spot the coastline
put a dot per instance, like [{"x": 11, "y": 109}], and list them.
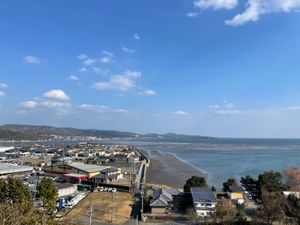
[{"x": 167, "y": 169}]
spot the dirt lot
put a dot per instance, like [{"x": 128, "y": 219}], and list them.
[{"x": 102, "y": 202}]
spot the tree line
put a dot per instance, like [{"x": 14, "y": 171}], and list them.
[
  {"x": 17, "y": 206},
  {"x": 266, "y": 192}
]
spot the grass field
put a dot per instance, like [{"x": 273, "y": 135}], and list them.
[{"x": 103, "y": 208}]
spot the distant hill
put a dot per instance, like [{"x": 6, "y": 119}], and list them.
[
  {"x": 7, "y": 135},
  {"x": 65, "y": 131},
  {"x": 20, "y": 132}
]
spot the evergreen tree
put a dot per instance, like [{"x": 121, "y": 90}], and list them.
[
  {"x": 48, "y": 194},
  {"x": 194, "y": 181}
]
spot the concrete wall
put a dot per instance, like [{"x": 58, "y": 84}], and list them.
[
  {"x": 158, "y": 210},
  {"x": 67, "y": 191}
]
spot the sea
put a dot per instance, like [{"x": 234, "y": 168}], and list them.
[{"x": 221, "y": 158}]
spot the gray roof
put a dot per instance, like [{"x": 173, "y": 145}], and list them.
[
  {"x": 236, "y": 188},
  {"x": 162, "y": 197},
  {"x": 88, "y": 168},
  {"x": 110, "y": 170},
  {"x": 6, "y": 168},
  {"x": 105, "y": 176},
  {"x": 202, "y": 195},
  {"x": 63, "y": 185}
]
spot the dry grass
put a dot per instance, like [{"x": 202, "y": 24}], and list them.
[
  {"x": 124, "y": 181},
  {"x": 157, "y": 186},
  {"x": 103, "y": 208}
]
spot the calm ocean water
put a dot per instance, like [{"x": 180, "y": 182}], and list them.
[{"x": 220, "y": 159}]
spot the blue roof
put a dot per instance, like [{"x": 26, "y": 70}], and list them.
[{"x": 201, "y": 194}]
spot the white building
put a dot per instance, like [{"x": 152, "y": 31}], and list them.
[
  {"x": 65, "y": 189},
  {"x": 4, "y": 149},
  {"x": 204, "y": 201},
  {"x": 13, "y": 170}
]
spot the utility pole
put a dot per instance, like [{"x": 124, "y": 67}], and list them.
[
  {"x": 137, "y": 220},
  {"x": 113, "y": 202},
  {"x": 91, "y": 213},
  {"x": 133, "y": 166},
  {"x": 142, "y": 200}
]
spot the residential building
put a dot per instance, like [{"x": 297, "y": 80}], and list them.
[
  {"x": 237, "y": 194},
  {"x": 162, "y": 201},
  {"x": 204, "y": 201}
]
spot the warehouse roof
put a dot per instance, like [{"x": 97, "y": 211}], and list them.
[
  {"x": 6, "y": 168},
  {"x": 86, "y": 167}
]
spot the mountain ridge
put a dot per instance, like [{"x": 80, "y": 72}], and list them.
[{"x": 44, "y": 131}]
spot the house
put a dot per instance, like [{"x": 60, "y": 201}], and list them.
[
  {"x": 236, "y": 193},
  {"x": 108, "y": 175},
  {"x": 149, "y": 192},
  {"x": 121, "y": 158},
  {"x": 162, "y": 201},
  {"x": 133, "y": 159},
  {"x": 204, "y": 201},
  {"x": 102, "y": 160}
]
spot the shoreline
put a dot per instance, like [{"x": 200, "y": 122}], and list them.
[
  {"x": 205, "y": 173},
  {"x": 168, "y": 169}
]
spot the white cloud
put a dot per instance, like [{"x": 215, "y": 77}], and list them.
[
  {"x": 224, "y": 105},
  {"x": 127, "y": 50},
  {"x": 148, "y": 92},
  {"x": 181, "y": 113},
  {"x": 73, "y": 77},
  {"x": 191, "y": 14},
  {"x": 289, "y": 109},
  {"x": 101, "y": 109},
  {"x": 136, "y": 36},
  {"x": 121, "y": 111},
  {"x": 82, "y": 56},
  {"x": 83, "y": 70},
  {"x": 256, "y": 8},
  {"x": 3, "y": 85},
  {"x": 215, "y": 4},
  {"x": 228, "y": 108},
  {"x": 107, "y": 57},
  {"x": 2, "y": 93},
  {"x": 122, "y": 82},
  {"x": 253, "y": 11},
  {"x": 56, "y": 94},
  {"x": 54, "y": 104},
  {"x": 101, "y": 71},
  {"x": 89, "y": 61},
  {"x": 96, "y": 108},
  {"x": 28, "y": 104},
  {"x": 31, "y": 59},
  {"x": 230, "y": 112}
]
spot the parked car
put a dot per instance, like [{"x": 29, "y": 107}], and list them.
[
  {"x": 110, "y": 189},
  {"x": 58, "y": 217},
  {"x": 114, "y": 190}
]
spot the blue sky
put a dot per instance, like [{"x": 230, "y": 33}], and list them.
[{"x": 227, "y": 68}]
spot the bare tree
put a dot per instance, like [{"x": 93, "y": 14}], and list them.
[
  {"x": 191, "y": 214},
  {"x": 225, "y": 211},
  {"x": 270, "y": 208}
]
